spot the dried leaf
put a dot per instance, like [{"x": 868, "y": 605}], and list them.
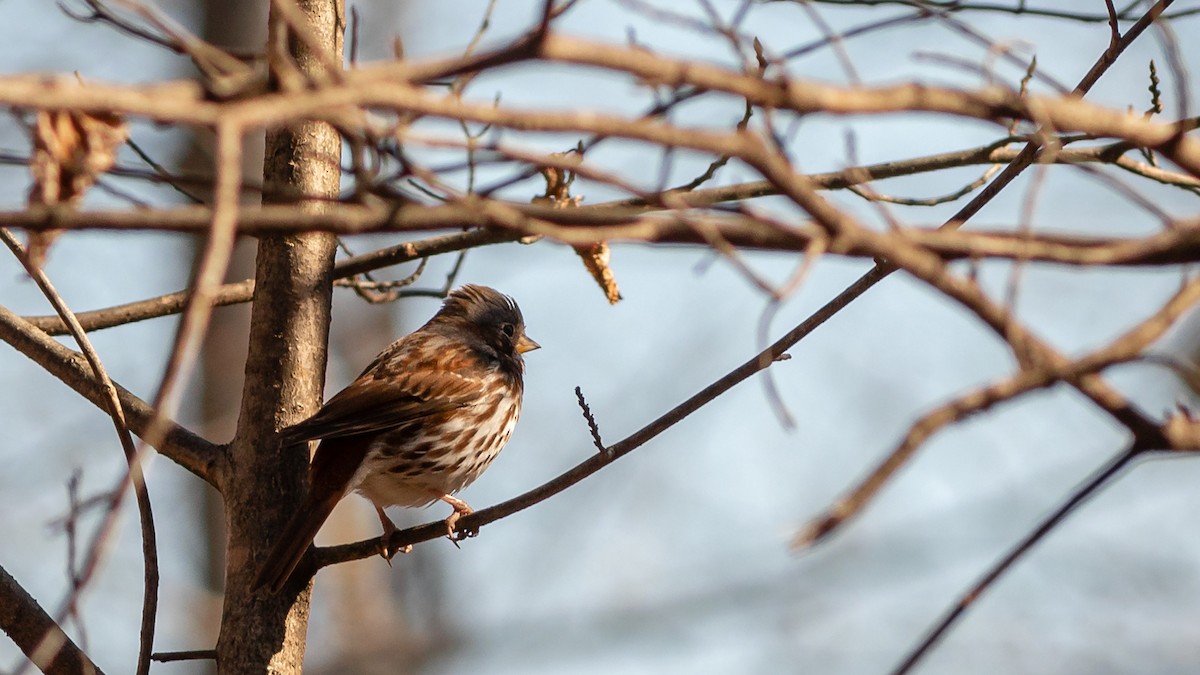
[
  {"x": 595, "y": 259},
  {"x": 70, "y": 151},
  {"x": 595, "y": 256}
]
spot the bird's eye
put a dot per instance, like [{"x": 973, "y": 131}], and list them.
[{"x": 508, "y": 329}]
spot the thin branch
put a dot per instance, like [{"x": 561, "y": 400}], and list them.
[
  {"x": 197, "y": 455},
  {"x": 1017, "y": 8},
  {"x": 134, "y": 477},
  {"x": 1102, "y": 477},
  {"x": 1125, "y": 348},
  {"x": 210, "y": 272},
  {"x": 243, "y": 291},
  {"x": 162, "y": 174},
  {"x": 190, "y": 655},
  {"x": 163, "y": 305}
]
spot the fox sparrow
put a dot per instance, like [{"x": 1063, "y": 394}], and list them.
[{"x": 422, "y": 422}]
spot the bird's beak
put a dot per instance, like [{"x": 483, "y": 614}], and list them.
[{"x": 526, "y": 345}]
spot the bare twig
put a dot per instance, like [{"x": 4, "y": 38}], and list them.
[
  {"x": 190, "y": 655},
  {"x": 591, "y": 421},
  {"x": 210, "y": 272},
  {"x": 1102, "y": 477},
  {"x": 243, "y": 291},
  {"x": 1127, "y": 347},
  {"x": 1017, "y": 8}
]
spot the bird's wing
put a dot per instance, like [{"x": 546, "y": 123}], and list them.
[{"x": 374, "y": 404}]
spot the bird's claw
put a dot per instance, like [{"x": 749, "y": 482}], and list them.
[
  {"x": 454, "y": 534},
  {"x": 387, "y": 552}
]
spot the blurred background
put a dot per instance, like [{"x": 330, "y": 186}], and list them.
[{"x": 674, "y": 559}]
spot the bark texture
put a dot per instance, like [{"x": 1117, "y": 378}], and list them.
[{"x": 261, "y": 631}]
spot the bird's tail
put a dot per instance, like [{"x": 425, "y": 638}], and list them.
[{"x": 294, "y": 541}]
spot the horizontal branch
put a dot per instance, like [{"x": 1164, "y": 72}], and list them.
[
  {"x": 1017, "y": 8},
  {"x": 1169, "y": 247},
  {"x": 163, "y": 305},
  {"x": 243, "y": 291},
  {"x": 1180, "y": 244},
  {"x": 354, "y": 219},
  {"x": 180, "y": 445},
  {"x": 1167, "y": 250},
  {"x": 388, "y": 86},
  {"x": 283, "y": 219}
]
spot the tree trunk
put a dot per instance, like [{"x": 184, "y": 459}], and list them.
[
  {"x": 238, "y": 24},
  {"x": 289, "y": 328}
]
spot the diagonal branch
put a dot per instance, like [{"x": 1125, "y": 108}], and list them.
[
  {"x": 185, "y": 448},
  {"x": 1125, "y": 348},
  {"x": 594, "y": 463},
  {"x": 210, "y": 271},
  {"x": 37, "y": 635},
  {"x": 1102, "y": 477}
]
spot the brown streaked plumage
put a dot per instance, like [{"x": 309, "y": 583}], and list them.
[{"x": 422, "y": 422}]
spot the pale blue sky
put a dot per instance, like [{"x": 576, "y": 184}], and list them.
[{"x": 675, "y": 559}]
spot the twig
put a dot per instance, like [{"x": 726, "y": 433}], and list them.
[
  {"x": 243, "y": 291},
  {"x": 190, "y": 655},
  {"x": 1102, "y": 477},
  {"x": 210, "y": 272},
  {"x": 162, "y": 173},
  {"x": 74, "y": 511},
  {"x": 381, "y": 292},
  {"x": 591, "y": 421},
  {"x": 871, "y": 195},
  {"x": 1127, "y": 347},
  {"x": 1018, "y": 8}
]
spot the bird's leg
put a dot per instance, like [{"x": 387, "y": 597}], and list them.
[
  {"x": 460, "y": 509},
  {"x": 389, "y": 528}
]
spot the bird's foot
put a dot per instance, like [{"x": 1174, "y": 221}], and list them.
[
  {"x": 388, "y": 552},
  {"x": 389, "y": 528},
  {"x": 460, "y": 509}
]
